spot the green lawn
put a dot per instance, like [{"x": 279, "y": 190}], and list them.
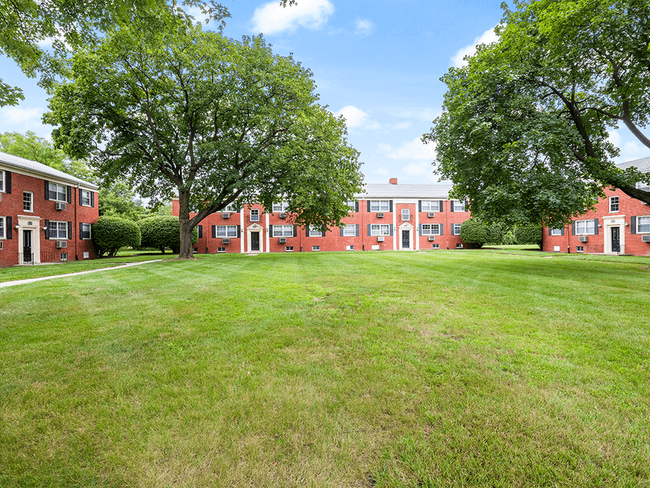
[{"x": 429, "y": 369}]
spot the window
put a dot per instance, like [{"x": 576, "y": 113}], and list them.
[
  {"x": 315, "y": 248},
  {"x": 379, "y": 205},
  {"x": 458, "y": 206},
  {"x": 288, "y": 249},
  {"x": 455, "y": 229},
  {"x": 2, "y": 181},
  {"x": 379, "y": 229},
  {"x": 314, "y": 232},
  {"x": 85, "y": 231},
  {"x": 3, "y": 234},
  {"x": 430, "y": 205},
  {"x": 226, "y": 231},
  {"x": 85, "y": 198},
  {"x": 28, "y": 201},
  {"x": 430, "y": 229},
  {"x": 406, "y": 214},
  {"x": 64, "y": 256},
  {"x": 642, "y": 225},
  {"x": 585, "y": 227},
  {"x": 280, "y": 207},
  {"x": 613, "y": 204},
  {"x": 353, "y": 205},
  {"x": 57, "y": 230},
  {"x": 221, "y": 249},
  {"x": 58, "y": 193},
  {"x": 436, "y": 246},
  {"x": 459, "y": 246},
  {"x": 230, "y": 208},
  {"x": 349, "y": 248},
  {"x": 580, "y": 248},
  {"x": 350, "y": 230},
  {"x": 556, "y": 232},
  {"x": 255, "y": 215},
  {"x": 283, "y": 231}
]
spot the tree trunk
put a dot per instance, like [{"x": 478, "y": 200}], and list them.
[{"x": 185, "y": 228}]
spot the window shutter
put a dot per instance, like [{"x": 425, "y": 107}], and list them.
[
  {"x": 47, "y": 190},
  {"x": 357, "y": 230},
  {"x": 390, "y": 206},
  {"x": 295, "y": 231},
  {"x": 368, "y": 207},
  {"x": 562, "y": 230},
  {"x": 633, "y": 224},
  {"x": 69, "y": 188},
  {"x": 271, "y": 230},
  {"x": 307, "y": 231},
  {"x": 442, "y": 207},
  {"x": 391, "y": 229},
  {"x": 214, "y": 231},
  {"x": 92, "y": 199},
  {"x": 9, "y": 227},
  {"x": 451, "y": 209},
  {"x": 199, "y": 230},
  {"x": 356, "y": 206},
  {"x": 341, "y": 229},
  {"x": 368, "y": 229},
  {"x": 238, "y": 231},
  {"x": 596, "y": 226},
  {"x": 441, "y": 231},
  {"x": 324, "y": 233},
  {"x": 7, "y": 181},
  {"x": 549, "y": 232},
  {"x": 80, "y": 190},
  {"x": 466, "y": 205},
  {"x": 81, "y": 230},
  {"x": 573, "y": 228},
  {"x": 47, "y": 232},
  {"x": 420, "y": 229},
  {"x": 69, "y": 229},
  {"x": 419, "y": 205}
]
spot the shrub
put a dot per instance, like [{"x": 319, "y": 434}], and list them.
[
  {"x": 112, "y": 233},
  {"x": 163, "y": 232},
  {"x": 475, "y": 234},
  {"x": 509, "y": 238},
  {"x": 529, "y": 234}
]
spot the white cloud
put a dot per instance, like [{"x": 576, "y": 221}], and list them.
[
  {"x": 271, "y": 18},
  {"x": 486, "y": 38},
  {"x": 402, "y": 126},
  {"x": 414, "y": 149},
  {"x": 425, "y": 115},
  {"x": 21, "y": 116},
  {"x": 355, "y": 117},
  {"x": 421, "y": 168},
  {"x": 364, "y": 27},
  {"x": 382, "y": 171}
]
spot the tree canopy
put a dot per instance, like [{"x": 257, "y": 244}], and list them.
[
  {"x": 525, "y": 124},
  {"x": 212, "y": 120}
]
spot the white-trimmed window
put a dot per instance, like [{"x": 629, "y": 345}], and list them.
[
  {"x": 430, "y": 205},
  {"x": 455, "y": 229},
  {"x": 349, "y": 248},
  {"x": 85, "y": 198},
  {"x": 379, "y": 205},
  {"x": 57, "y": 230},
  {"x": 315, "y": 248},
  {"x": 288, "y": 249},
  {"x": 230, "y": 208},
  {"x": 255, "y": 215},
  {"x": 585, "y": 227},
  {"x": 283, "y": 231},
  {"x": 28, "y": 201},
  {"x": 85, "y": 231},
  {"x": 580, "y": 248},
  {"x": 458, "y": 206},
  {"x": 556, "y": 232},
  {"x": 613, "y": 204},
  {"x": 459, "y": 246},
  {"x": 226, "y": 231},
  {"x": 379, "y": 229},
  {"x": 56, "y": 192},
  {"x": 314, "y": 232},
  {"x": 353, "y": 205},
  {"x": 430, "y": 229},
  {"x": 406, "y": 214},
  {"x": 221, "y": 249},
  {"x": 280, "y": 207},
  {"x": 3, "y": 226},
  {"x": 350, "y": 230},
  {"x": 436, "y": 246},
  {"x": 2, "y": 181},
  {"x": 643, "y": 225}
]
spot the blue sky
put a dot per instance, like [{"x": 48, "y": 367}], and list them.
[{"x": 377, "y": 63}]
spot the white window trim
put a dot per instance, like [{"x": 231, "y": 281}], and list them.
[
  {"x": 380, "y": 230},
  {"x": 638, "y": 224},
  {"x": 57, "y": 185},
  {"x": 430, "y": 230},
  {"x": 378, "y": 204},
  {"x": 226, "y": 231},
  {"x": 435, "y": 203},
  {"x": 31, "y": 209},
  {"x": 350, "y": 228},
  {"x": 618, "y": 204},
  {"x": 580, "y": 248},
  {"x": 90, "y": 230},
  {"x": 288, "y": 249},
  {"x": 586, "y": 232},
  {"x": 408, "y": 214},
  {"x": 315, "y": 232},
  {"x": 280, "y": 207},
  {"x": 353, "y": 205},
  {"x": 230, "y": 208},
  {"x": 81, "y": 200},
  {"x": 315, "y": 248},
  {"x": 556, "y": 232},
  {"x": 453, "y": 227},
  {"x": 285, "y": 231},
  {"x": 458, "y": 205},
  {"x": 255, "y": 212},
  {"x": 4, "y": 228},
  {"x": 2, "y": 181},
  {"x": 57, "y": 222}
]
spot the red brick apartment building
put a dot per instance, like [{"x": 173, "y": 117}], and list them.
[
  {"x": 45, "y": 214},
  {"x": 618, "y": 225},
  {"x": 384, "y": 217}
]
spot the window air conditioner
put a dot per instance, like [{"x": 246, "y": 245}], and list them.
[
  {"x": 431, "y": 215},
  {"x": 645, "y": 238},
  {"x": 225, "y": 240},
  {"x": 60, "y": 206},
  {"x": 432, "y": 238},
  {"x": 583, "y": 239},
  {"x": 283, "y": 215},
  {"x": 225, "y": 215},
  {"x": 380, "y": 239},
  {"x": 380, "y": 215},
  {"x": 283, "y": 240},
  {"x": 61, "y": 244}
]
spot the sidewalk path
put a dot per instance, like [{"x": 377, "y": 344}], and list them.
[{"x": 31, "y": 280}]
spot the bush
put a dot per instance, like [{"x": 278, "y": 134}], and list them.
[
  {"x": 476, "y": 234},
  {"x": 529, "y": 234},
  {"x": 509, "y": 238},
  {"x": 163, "y": 232},
  {"x": 112, "y": 233}
]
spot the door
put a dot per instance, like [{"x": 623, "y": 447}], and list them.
[
  {"x": 27, "y": 246},
  {"x": 255, "y": 241},
  {"x": 616, "y": 239},
  {"x": 405, "y": 239}
]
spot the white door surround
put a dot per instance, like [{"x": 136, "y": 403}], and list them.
[
  {"x": 30, "y": 222},
  {"x": 608, "y": 223},
  {"x": 405, "y": 227},
  {"x": 254, "y": 228}
]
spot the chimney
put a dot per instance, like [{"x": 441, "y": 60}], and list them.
[{"x": 393, "y": 181}]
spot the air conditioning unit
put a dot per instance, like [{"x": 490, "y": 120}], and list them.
[
  {"x": 225, "y": 215},
  {"x": 225, "y": 240},
  {"x": 380, "y": 239},
  {"x": 60, "y": 206},
  {"x": 432, "y": 238},
  {"x": 283, "y": 215},
  {"x": 61, "y": 244},
  {"x": 583, "y": 239},
  {"x": 645, "y": 238},
  {"x": 431, "y": 215},
  {"x": 380, "y": 215},
  {"x": 283, "y": 240}
]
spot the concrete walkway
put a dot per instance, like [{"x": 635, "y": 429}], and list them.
[{"x": 32, "y": 280}]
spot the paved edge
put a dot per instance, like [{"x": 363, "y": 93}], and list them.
[{"x": 32, "y": 280}]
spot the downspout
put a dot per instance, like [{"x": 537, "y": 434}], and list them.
[{"x": 76, "y": 223}]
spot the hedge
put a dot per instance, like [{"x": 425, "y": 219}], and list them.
[
  {"x": 529, "y": 234},
  {"x": 109, "y": 234},
  {"x": 476, "y": 234}
]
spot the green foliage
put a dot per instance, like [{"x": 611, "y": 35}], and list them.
[
  {"x": 111, "y": 233},
  {"x": 117, "y": 200},
  {"x": 163, "y": 232},
  {"x": 214, "y": 121},
  {"x": 476, "y": 233},
  {"x": 509, "y": 238},
  {"x": 524, "y": 130},
  {"x": 529, "y": 234}
]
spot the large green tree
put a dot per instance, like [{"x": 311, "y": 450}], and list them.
[
  {"x": 212, "y": 120},
  {"x": 524, "y": 130}
]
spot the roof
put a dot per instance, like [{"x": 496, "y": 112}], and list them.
[
  {"x": 41, "y": 170},
  {"x": 439, "y": 190},
  {"x": 642, "y": 164}
]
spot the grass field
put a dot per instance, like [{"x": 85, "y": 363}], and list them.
[{"x": 429, "y": 369}]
